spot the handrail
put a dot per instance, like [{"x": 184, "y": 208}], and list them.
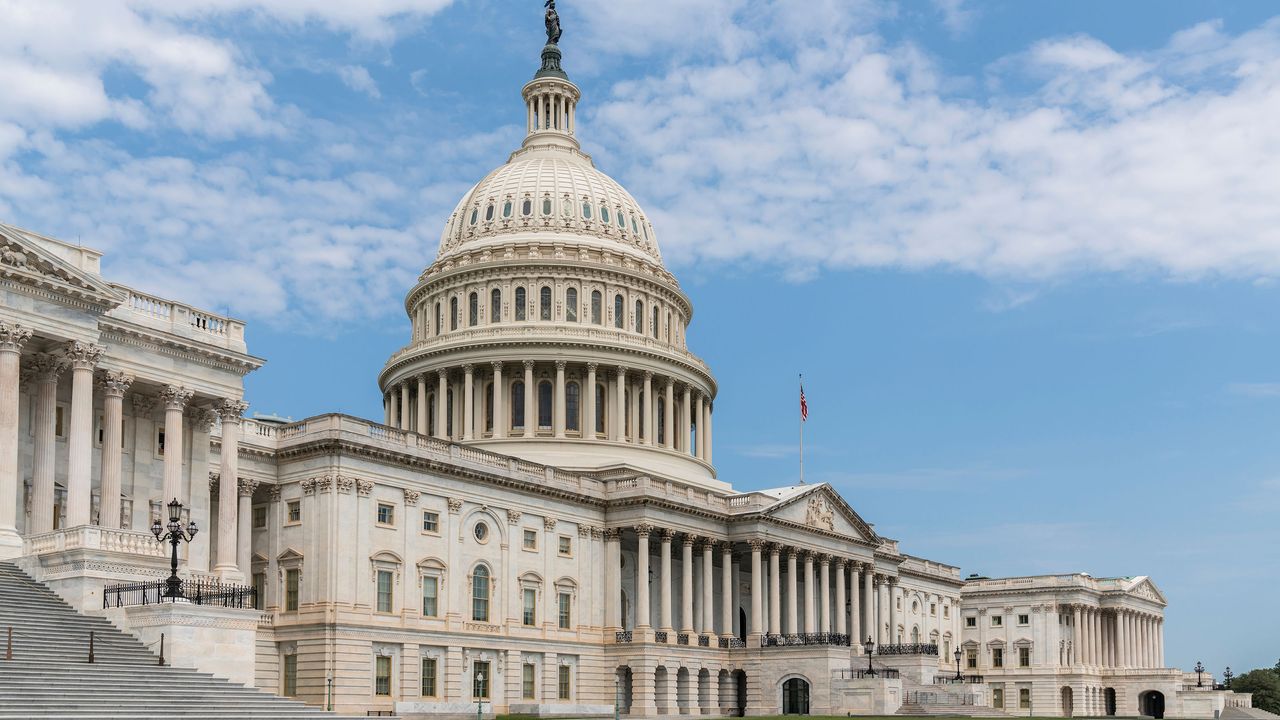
[{"x": 198, "y": 592}]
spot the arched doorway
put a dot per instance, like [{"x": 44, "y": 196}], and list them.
[
  {"x": 1151, "y": 704},
  {"x": 661, "y": 678},
  {"x": 1067, "y": 701},
  {"x": 1109, "y": 697},
  {"x": 624, "y": 690},
  {"x": 740, "y": 684},
  {"x": 742, "y": 625},
  {"x": 795, "y": 697}
]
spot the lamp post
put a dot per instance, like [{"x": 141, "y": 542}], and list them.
[
  {"x": 957, "y": 655},
  {"x": 175, "y": 535},
  {"x": 1199, "y": 670},
  {"x": 329, "y": 696},
  {"x": 479, "y": 696},
  {"x": 869, "y": 645},
  {"x": 1226, "y": 678}
]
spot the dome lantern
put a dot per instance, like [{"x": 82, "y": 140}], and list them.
[{"x": 551, "y": 98}]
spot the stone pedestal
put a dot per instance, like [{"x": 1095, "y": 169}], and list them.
[
  {"x": 78, "y": 562},
  {"x": 216, "y": 640}
]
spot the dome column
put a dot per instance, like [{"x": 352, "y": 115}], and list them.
[
  {"x": 442, "y": 404},
  {"x": 529, "y": 398},
  {"x": 468, "y": 402},
  {"x": 558, "y": 411},
  {"x": 700, "y": 441},
  {"x": 404, "y": 406},
  {"x": 686, "y": 416},
  {"x": 647, "y": 419},
  {"x": 499, "y": 418},
  {"x": 589, "y": 404},
  {"x": 619, "y": 406},
  {"x": 668, "y": 415},
  {"x": 706, "y": 436},
  {"x": 423, "y": 425}
]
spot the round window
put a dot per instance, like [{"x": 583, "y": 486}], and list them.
[{"x": 481, "y": 531}]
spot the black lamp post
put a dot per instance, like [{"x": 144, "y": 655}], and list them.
[
  {"x": 1226, "y": 678},
  {"x": 957, "y": 655},
  {"x": 869, "y": 646},
  {"x": 175, "y": 535},
  {"x": 1199, "y": 670}
]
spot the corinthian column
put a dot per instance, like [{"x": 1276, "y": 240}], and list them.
[
  {"x": 646, "y": 419},
  {"x": 686, "y": 419},
  {"x": 757, "y": 587},
  {"x": 824, "y": 594},
  {"x": 793, "y": 595},
  {"x": 775, "y": 589},
  {"x": 82, "y": 358},
  {"x": 588, "y": 422},
  {"x": 700, "y": 446},
  {"x": 726, "y": 589},
  {"x": 468, "y": 402},
  {"x": 558, "y": 405},
  {"x": 869, "y": 602},
  {"x": 642, "y": 577},
  {"x": 810, "y": 613},
  {"x": 686, "y": 583},
  {"x": 422, "y": 406},
  {"x": 617, "y": 429},
  {"x": 230, "y": 411},
  {"x": 668, "y": 415},
  {"x": 244, "y": 533},
  {"x": 708, "y": 589},
  {"x": 841, "y": 613},
  {"x": 12, "y": 338},
  {"x": 114, "y": 385},
  {"x": 47, "y": 368},
  {"x": 664, "y": 594},
  {"x": 499, "y": 418},
  {"x": 1076, "y": 637},
  {"x": 175, "y": 398}
]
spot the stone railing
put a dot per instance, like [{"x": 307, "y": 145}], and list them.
[
  {"x": 92, "y": 537},
  {"x": 181, "y": 319}
]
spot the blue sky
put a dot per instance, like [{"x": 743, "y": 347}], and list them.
[{"x": 1024, "y": 253}]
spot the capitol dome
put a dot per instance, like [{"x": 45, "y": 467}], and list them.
[{"x": 547, "y": 327}]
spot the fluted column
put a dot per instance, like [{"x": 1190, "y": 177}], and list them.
[
  {"x": 842, "y": 616},
  {"x": 499, "y": 418},
  {"x": 406, "y": 393},
  {"x": 1122, "y": 638},
  {"x": 423, "y": 424},
  {"x": 708, "y": 589},
  {"x": 1160, "y": 642},
  {"x": 893, "y": 610},
  {"x": 642, "y": 577},
  {"x": 855, "y": 605},
  {"x": 175, "y": 400},
  {"x": 613, "y": 579},
  {"x": 882, "y": 610},
  {"x": 558, "y": 413},
  {"x": 706, "y": 435},
  {"x": 617, "y": 429},
  {"x": 775, "y": 589},
  {"x": 810, "y": 614},
  {"x": 757, "y": 587},
  {"x": 230, "y": 410},
  {"x": 468, "y": 402},
  {"x": 530, "y": 400},
  {"x": 442, "y": 404},
  {"x": 869, "y": 610},
  {"x": 114, "y": 385},
  {"x": 824, "y": 594},
  {"x": 793, "y": 595},
  {"x": 244, "y": 530},
  {"x": 647, "y": 421},
  {"x": 686, "y": 419},
  {"x": 699, "y": 442},
  {"x": 1076, "y": 637},
  {"x": 727, "y": 580},
  {"x": 12, "y": 338},
  {"x": 46, "y": 368},
  {"x": 686, "y": 583},
  {"x": 633, "y": 415},
  {"x": 82, "y": 358},
  {"x": 664, "y": 593},
  {"x": 588, "y": 423},
  {"x": 668, "y": 416}
]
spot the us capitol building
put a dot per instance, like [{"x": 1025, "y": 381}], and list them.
[{"x": 535, "y": 522}]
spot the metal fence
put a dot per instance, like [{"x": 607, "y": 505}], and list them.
[
  {"x": 848, "y": 674},
  {"x": 795, "y": 639},
  {"x": 909, "y": 649},
  {"x": 198, "y": 592}
]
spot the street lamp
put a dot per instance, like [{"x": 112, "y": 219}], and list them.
[
  {"x": 1226, "y": 678},
  {"x": 957, "y": 656},
  {"x": 869, "y": 645},
  {"x": 480, "y": 695},
  {"x": 175, "y": 535},
  {"x": 1199, "y": 670}
]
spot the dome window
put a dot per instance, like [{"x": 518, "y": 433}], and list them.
[
  {"x": 654, "y": 330},
  {"x": 572, "y": 398},
  {"x": 544, "y": 405},
  {"x": 506, "y": 209},
  {"x": 586, "y": 210},
  {"x": 621, "y": 225},
  {"x": 488, "y": 213},
  {"x": 604, "y": 214},
  {"x": 640, "y": 317},
  {"x": 634, "y": 229},
  {"x": 544, "y": 302},
  {"x": 546, "y": 205},
  {"x": 473, "y": 309},
  {"x": 527, "y": 208},
  {"x": 571, "y": 305},
  {"x": 517, "y": 405},
  {"x": 618, "y": 312},
  {"x": 520, "y": 303},
  {"x": 475, "y": 215},
  {"x": 495, "y": 306},
  {"x": 453, "y": 313},
  {"x": 596, "y": 302}
]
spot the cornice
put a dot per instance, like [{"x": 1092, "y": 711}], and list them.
[
  {"x": 116, "y": 330},
  {"x": 56, "y": 292}
]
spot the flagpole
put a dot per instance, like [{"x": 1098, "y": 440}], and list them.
[{"x": 801, "y": 414}]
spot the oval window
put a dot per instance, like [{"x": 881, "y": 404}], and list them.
[
  {"x": 475, "y": 213},
  {"x": 586, "y": 210},
  {"x": 604, "y": 214},
  {"x": 481, "y": 531},
  {"x": 527, "y": 209},
  {"x": 506, "y": 209},
  {"x": 620, "y": 223},
  {"x": 488, "y": 213},
  {"x": 546, "y": 206}
]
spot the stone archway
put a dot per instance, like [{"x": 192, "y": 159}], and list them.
[
  {"x": 1151, "y": 704},
  {"x": 704, "y": 692},
  {"x": 1109, "y": 699},
  {"x": 740, "y": 699},
  {"x": 662, "y": 690},
  {"x": 684, "y": 691},
  {"x": 795, "y": 696},
  {"x": 1068, "y": 701},
  {"x": 624, "y": 690}
]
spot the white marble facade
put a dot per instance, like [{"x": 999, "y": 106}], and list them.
[{"x": 536, "y": 520}]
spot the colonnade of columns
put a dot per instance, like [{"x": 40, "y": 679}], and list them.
[
  {"x": 551, "y": 110},
  {"x": 499, "y": 400},
  {"x": 1116, "y": 638}
]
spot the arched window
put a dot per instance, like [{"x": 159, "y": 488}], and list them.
[
  {"x": 448, "y": 413},
  {"x": 571, "y": 305},
  {"x": 586, "y": 210},
  {"x": 520, "y": 303},
  {"x": 480, "y": 594},
  {"x": 488, "y": 407},
  {"x": 453, "y": 313},
  {"x": 595, "y": 307},
  {"x": 526, "y": 208},
  {"x": 660, "y": 415},
  {"x": 654, "y": 329},
  {"x": 473, "y": 309},
  {"x": 544, "y": 303},
  {"x": 439, "y": 319},
  {"x": 495, "y": 306},
  {"x": 517, "y": 405},
  {"x": 600, "y": 409},
  {"x": 506, "y": 209},
  {"x": 640, "y": 317},
  {"x": 488, "y": 212},
  {"x": 571, "y": 403},
  {"x": 544, "y": 404},
  {"x": 668, "y": 327},
  {"x": 618, "y": 314}
]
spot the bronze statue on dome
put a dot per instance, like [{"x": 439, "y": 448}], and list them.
[{"x": 553, "y": 23}]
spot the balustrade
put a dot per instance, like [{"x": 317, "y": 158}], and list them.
[
  {"x": 908, "y": 649},
  {"x": 796, "y": 639}
]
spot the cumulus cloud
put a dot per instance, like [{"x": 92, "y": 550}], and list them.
[{"x": 358, "y": 78}]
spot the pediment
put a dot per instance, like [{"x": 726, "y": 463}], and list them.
[
  {"x": 822, "y": 509},
  {"x": 29, "y": 259},
  {"x": 1143, "y": 587}
]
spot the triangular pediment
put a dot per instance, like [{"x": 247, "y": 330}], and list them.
[
  {"x": 34, "y": 260},
  {"x": 820, "y": 507},
  {"x": 1144, "y": 588}
]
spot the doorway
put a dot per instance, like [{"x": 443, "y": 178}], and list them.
[
  {"x": 795, "y": 697},
  {"x": 1109, "y": 699},
  {"x": 1151, "y": 704},
  {"x": 1067, "y": 702}
]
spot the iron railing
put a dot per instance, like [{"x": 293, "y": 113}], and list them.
[
  {"x": 704, "y": 641},
  {"x": 728, "y": 643},
  {"x": 963, "y": 680},
  {"x": 924, "y": 697},
  {"x": 682, "y": 638},
  {"x": 660, "y": 637},
  {"x": 793, "y": 639},
  {"x": 848, "y": 674},
  {"x": 909, "y": 649},
  {"x": 623, "y": 636},
  {"x": 198, "y": 592}
]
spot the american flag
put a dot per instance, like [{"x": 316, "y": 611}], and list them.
[{"x": 804, "y": 406}]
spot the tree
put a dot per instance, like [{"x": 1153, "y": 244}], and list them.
[{"x": 1265, "y": 686}]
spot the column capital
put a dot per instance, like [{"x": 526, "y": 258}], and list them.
[
  {"x": 643, "y": 530},
  {"x": 443, "y": 374},
  {"x": 246, "y": 487},
  {"x": 528, "y": 365},
  {"x": 230, "y": 409},
  {"x": 82, "y": 355},
  {"x": 792, "y": 553},
  {"x": 115, "y": 384},
  {"x": 892, "y": 580},
  {"x": 592, "y": 366},
  {"x": 467, "y": 368},
  {"x": 689, "y": 540},
  {"x": 612, "y": 534},
  {"x": 775, "y": 549},
  {"x": 621, "y": 372},
  {"x": 13, "y": 336},
  {"x": 46, "y": 367},
  {"x": 175, "y": 397},
  {"x": 560, "y": 364},
  {"x": 824, "y": 559},
  {"x": 202, "y": 419},
  {"x": 648, "y": 375},
  {"x": 549, "y": 523},
  {"x": 496, "y": 365},
  {"x": 666, "y": 534},
  {"x": 726, "y": 547},
  {"x": 757, "y": 545}
]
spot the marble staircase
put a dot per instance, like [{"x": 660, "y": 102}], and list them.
[{"x": 45, "y": 670}]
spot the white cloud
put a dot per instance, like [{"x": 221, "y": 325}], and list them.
[
  {"x": 358, "y": 78},
  {"x": 1262, "y": 390},
  {"x": 955, "y": 15}
]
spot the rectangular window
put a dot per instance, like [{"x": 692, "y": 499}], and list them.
[
  {"x": 997, "y": 620},
  {"x": 997, "y": 698},
  {"x": 294, "y": 512},
  {"x": 480, "y": 680},
  {"x": 530, "y": 616},
  {"x": 529, "y": 686},
  {"x": 530, "y": 540},
  {"x": 566, "y": 609},
  {"x": 1024, "y": 698},
  {"x": 946, "y": 611},
  {"x": 430, "y": 593},
  {"x": 290, "y": 676},
  {"x": 997, "y": 657},
  {"x": 382, "y": 675},
  {"x": 971, "y": 622},
  {"x": 971, "y": 659},
  {"x": 259, "y": 589},
  {"x": 428, "y": 677},
  {"x": 260, "y": 516},
  {"x": 1024, "y": 619},
  {"x": 933, "y": 608},
  {"x": 386, "y": 514},
  {"x": 566, "y": 546},
  {"x": 564, "y": 685},
  {"x": 1024, "y": 657},
  {"x": 430, "y": 521},
  {"x": 291, "y": 578},
  {"x": 60, "y": 426},
  {"x": 384, "y": 591}
]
